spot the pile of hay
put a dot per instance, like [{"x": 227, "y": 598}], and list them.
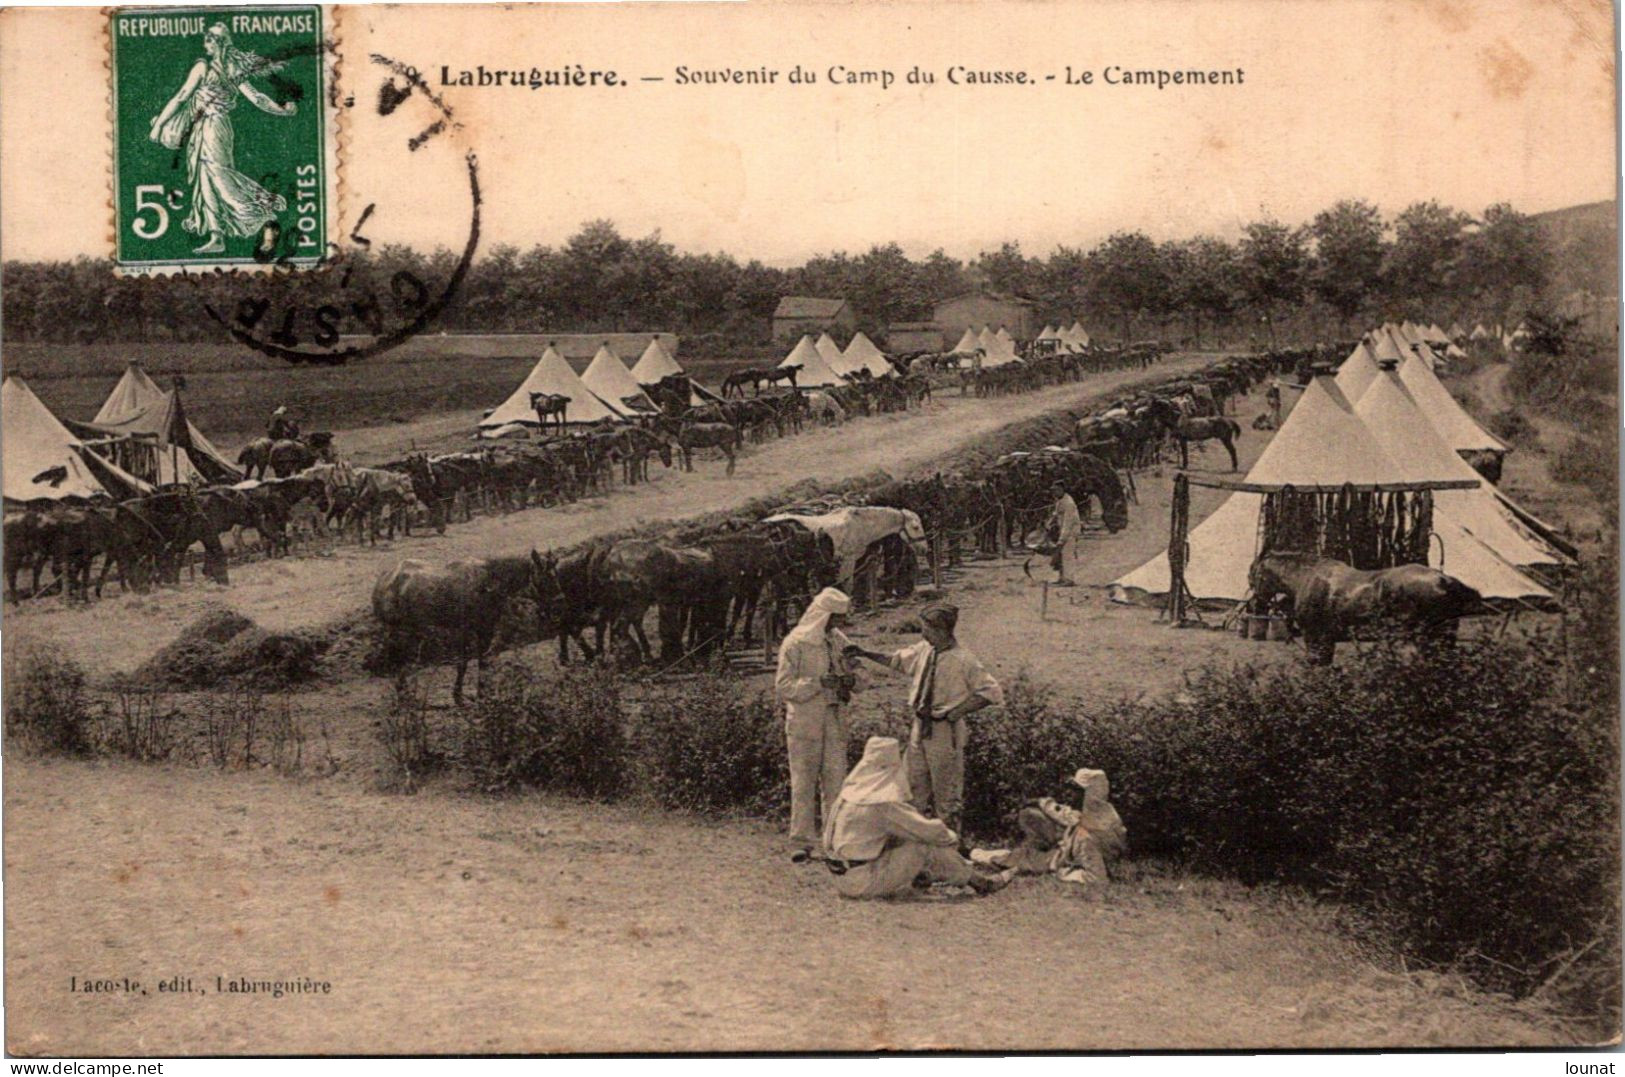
[{"x": 226, "y": 649}]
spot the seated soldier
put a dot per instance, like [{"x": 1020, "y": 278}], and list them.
[
  {"x": 877, "y": 843},
  {"x": 1074, "y": 843}
]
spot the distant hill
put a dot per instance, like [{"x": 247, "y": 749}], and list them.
[{"x": 1585, "y": 247}]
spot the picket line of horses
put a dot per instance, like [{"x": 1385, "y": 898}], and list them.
[
  {"x": 299, "y": 494},
  {"x": 746, "y": 579}
]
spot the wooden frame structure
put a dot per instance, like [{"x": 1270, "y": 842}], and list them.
[{"x": 1180, "y": 601}]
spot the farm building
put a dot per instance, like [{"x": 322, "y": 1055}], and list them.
[
  {"x": 905, "y": 337},
  {"x": 800, "y": 315},
  {"x": 972, "y": 310}
]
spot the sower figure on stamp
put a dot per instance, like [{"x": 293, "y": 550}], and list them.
[
  {"x": 813, "y": 683},
  {"x": 224, "y": 201},
  {"x": 949, "y": 684}
]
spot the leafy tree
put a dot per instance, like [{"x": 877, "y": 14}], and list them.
[
  {"x": 1347, "y": 267},
  {"x": 1274, "y": 263},
  {"x": 1421, "y": 270},
  {"x": 1504, "y": 254},
  {"x": 1006, "y": 270},
  {"x": 1126, "y": 278}
]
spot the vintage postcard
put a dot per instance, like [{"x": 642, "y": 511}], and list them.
[{"x": 809, "y": 526}]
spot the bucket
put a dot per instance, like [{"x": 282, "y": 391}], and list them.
[
  {"x": 1257, "y": 626},
  {"x": 1279, "y": 629}
]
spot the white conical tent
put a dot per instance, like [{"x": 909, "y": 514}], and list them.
[
  {"x": 34, "y": 445},
  {"x": 1080, "y": 336},
  {"x": 987, "y": 341},
  {"x": 862, "y": 354},
  {"x": 1050, "y": 333},
  {"x": 999, "y": 350},
  {"x": 967, "y": 341},
  {"x": 611, "y": 382},
  {"x": 1322, "y": 443},
  {"x": 1456, "y": 428},
  {"x": 1456, "y": 331},
  {"x": 1358, "y": 371},
  {"x": 655, "y": 363},
  {"x": 551, "y": 375},
  {"x": 1435, "y": 336},
  {"x": 133, "y": 393},
  {"x": 1479, "y": 332},
  {"x": 1390, "y": 413},
  {"x": 1004, "y": 337},
  {"x": 137, "y": 406},
  {"x": 815, "y": 372},
  {"x": 831, "y": 353}
]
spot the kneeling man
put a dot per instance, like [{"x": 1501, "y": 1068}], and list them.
[{"x": 877, "y": 843}]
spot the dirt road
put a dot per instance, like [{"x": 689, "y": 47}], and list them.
[
  {"x": 451, "y": 924},
  {"x": 118, "y": 634}
]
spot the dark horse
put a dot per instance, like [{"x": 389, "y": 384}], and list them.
[
  {"x": 285, "y": 456},
  {"x": 1331, "y": 601},
  {"x": 1187, "y": 429},
  {"x": 734, "y": 384},
  {"x": 550, "y": 408}
]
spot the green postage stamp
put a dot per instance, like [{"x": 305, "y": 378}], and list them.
[{"x": 220, "y": 139}]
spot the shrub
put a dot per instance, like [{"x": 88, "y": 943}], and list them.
[
  {"x": 1511, "y": 427},
  {"x": 564, "y": 732},
  {"x": 1459, "y": 793},
  {"x": 1589, "y": 463},
  {"x": 47, "y": 708},
  {"x": 403, "y": 730},
  {"x": 145, "y": 730},
  {"x": 705, "y": 746}
]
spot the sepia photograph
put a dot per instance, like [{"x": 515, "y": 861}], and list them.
[{"x": 810, "y": 528}]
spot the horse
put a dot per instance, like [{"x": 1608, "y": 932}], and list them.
[
  {"x": 691, "y": 436},
  {"x": 734, "y": 384},
  {"x": 571, "y": 594},
  {"x": 464, "y": 600},
  {"x": 1330, "y": 601},
  {"x": 1186, "y": 430},
  {"x": 550, "y": 409}
]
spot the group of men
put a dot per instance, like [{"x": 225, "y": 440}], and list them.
[{"x": 876, "y": 837}]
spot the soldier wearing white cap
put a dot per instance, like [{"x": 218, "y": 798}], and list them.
[{"x": 813, "y": 682}]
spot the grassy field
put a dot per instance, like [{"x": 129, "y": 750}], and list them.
[{"x": 231, "y": 390}]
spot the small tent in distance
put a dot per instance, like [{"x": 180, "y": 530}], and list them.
[{"x": 553, "y": 376}]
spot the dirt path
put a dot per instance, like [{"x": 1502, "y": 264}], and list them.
[
  {"x": 119, "y": 633},
  {"x": 461, "y": 925}
]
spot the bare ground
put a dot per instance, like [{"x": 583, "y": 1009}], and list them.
[{"x": 452, "y": 923}]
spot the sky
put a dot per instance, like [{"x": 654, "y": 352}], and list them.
[{"x": 1468, "y": 103}]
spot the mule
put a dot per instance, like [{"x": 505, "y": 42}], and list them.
[
  {"x": 1186, "y": 430},
  {"x": 464, "y": 601},
  {"x": 1331, "y": 602}
]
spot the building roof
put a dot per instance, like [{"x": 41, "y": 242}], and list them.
[
  {"x": 806, "y": 306},
  {"x": 983, "y": 293}
]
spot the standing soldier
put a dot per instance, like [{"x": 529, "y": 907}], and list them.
[
  {"x": 949, "y": 684},
  {"x": 1068, "y": 525},
  {"x": 813, "y": 683}
]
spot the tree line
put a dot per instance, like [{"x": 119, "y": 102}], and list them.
[{"x": 1347, "y": 267}]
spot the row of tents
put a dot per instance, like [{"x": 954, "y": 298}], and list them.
[
  {"x": 1383, "y": 418},
  {"x": 139, "y": 439},
  {"x": 607, "y": 389},
  {"x": 823, "y": 363}
]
